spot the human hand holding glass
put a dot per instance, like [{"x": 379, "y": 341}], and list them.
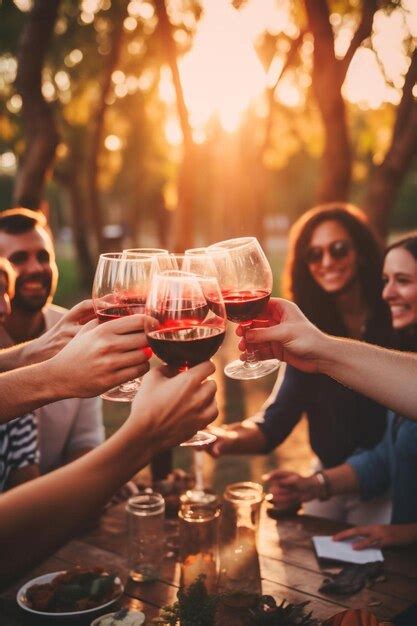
[
  {"x": 120, "y": 287},
  {"x": 245, "y": 278},
  {"x": 185, "y": 322}
]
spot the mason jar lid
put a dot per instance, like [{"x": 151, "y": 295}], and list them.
[
  {"x": 199, "y": 511},
  {"x": 146, "y": 504},
  {"x": 246, "y": 492}
]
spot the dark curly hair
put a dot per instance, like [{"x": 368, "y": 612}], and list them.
[
  {"x": 319, "y": 306},
  {"x": 406, "y": 338}
]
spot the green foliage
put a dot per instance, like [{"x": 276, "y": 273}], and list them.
[
  {"x": 194, "y": 607},
  {"x": 268, "y": 613},
  {"x": 133, "y": 181}
]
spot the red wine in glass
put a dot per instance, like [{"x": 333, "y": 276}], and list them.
[
  {"x": 181, "y": 327},
  {"x": 125, "y": 305},
  {"x": 185, "y": 346},
  {"x": 245, "y": 306},
  {"x": 118, "y": 290},
  {"x": 245, "y": 277},
  {"x": 113, "y": 312}
]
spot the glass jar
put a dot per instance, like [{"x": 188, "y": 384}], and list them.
[
  {"x": 146, "y": 538},
  {"x": 199, "y": 544},
  {"x": 239, "y": 562}
]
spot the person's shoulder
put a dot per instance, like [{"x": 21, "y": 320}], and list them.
[{"x": 53, "y": 313}]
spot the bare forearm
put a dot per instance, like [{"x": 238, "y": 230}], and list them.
[
  {"x": 337, "y": 480},
  {"x": 68, "y": 496},
  {"x": 343, "y": 479},
  {"x": 403, "y": 534},
  {"x": 14, "y": 357},
  {"x": 77, "y": 454},
  {"x": 387, "y": 376},
  {"x": 26, "y": 389}
]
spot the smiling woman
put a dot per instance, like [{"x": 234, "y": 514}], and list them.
[
  {"x": 333, "y": 273},
  {"x": 400, "y": 285}
]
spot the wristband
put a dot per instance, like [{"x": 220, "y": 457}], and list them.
[{"x": 325, "y": 485}]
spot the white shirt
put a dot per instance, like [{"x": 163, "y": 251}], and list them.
[{"x": 67, "y": 425}]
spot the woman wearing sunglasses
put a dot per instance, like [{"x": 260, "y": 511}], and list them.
[
  {"x": 393, "y": 461},
  {"x": 333, "y": 273}
]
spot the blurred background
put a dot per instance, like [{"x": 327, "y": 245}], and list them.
[{"x": 176, "y": 123}]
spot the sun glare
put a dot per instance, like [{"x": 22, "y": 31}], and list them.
[
  {"x": 222, "y": 74},
  {"x": 365, "y": 85}
]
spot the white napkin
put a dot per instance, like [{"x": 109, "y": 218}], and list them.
[{"x": 326, "y": 548}]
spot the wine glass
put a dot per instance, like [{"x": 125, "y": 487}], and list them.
[
  {"x": 146, "y": 251},
  {"x": 185, "y": 323},
  {"x": 200, "y": 264},
  {"x": 120, "y": 288},
  {"x": 246, "y": 284}
]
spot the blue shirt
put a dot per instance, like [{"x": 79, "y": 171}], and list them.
[
  {"x": 340, "y": 421},
  {"x": 393, "y": 462}
]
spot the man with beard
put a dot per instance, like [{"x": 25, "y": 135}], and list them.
[{"x": 68, "y": 428}]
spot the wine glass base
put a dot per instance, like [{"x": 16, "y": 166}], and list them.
[
  {"x": 118, "y": 395},
  {"x": 239, "y": 370},
  {"x": 201, "y": 438}
]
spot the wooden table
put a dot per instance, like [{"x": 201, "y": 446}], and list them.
[{"x": 289, "y": 569}]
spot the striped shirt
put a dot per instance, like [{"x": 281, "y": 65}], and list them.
[{"x": 18, "y": 446}]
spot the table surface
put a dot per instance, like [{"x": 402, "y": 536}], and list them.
[{"x": 289, "y": 569}]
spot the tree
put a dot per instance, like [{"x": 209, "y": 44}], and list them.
[
  {"x": 40, "y": 129},
  {"x": 184, "y": 235},
  {"x": 328, "y": 76},
  {"x": 387, "y": 177},
  {"x": 97, "y": 122}
]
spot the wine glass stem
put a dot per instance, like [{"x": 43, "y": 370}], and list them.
[
  {"x": 198, "y": 470},
  {"x": 251, "y": 359}
]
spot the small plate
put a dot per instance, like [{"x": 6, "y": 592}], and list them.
[
  {"x": 97, "y": 621},
  {"x": 47, "y": 578}
]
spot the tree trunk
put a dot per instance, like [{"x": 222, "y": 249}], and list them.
[
  {"x": 40, "y": 130},
  {"x": 97, "y": 125},
  {"x": 260, "y": 171},
  {"x": 328, "y": 76},
  {"x": 386, "y": 179},
  {"x": 184, "y": 236}
]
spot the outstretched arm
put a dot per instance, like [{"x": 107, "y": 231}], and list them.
[
  {"x": 387, "y": 376},
  {"x": 51, "y": 342},
  {"x": 35, "y": 518},
  {"x": 98, "y": 358},
  {"x": 379, "y": 535},
  {"x": 289, "y": 488}
]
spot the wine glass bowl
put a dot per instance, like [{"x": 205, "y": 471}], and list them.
[
  {"x": 200, "y": 264},
  {"x": 185, "y": 318},
  {"x": 245, "y": 278},
  {"x": 185, "y": 323},
  {"x": 119, "y": 288},
  {"x": 145, "y": 251}
]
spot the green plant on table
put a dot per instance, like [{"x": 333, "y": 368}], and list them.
[{"x": 196, "y": 607}]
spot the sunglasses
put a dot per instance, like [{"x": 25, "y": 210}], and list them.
[{"x": 337, "y": 249}]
